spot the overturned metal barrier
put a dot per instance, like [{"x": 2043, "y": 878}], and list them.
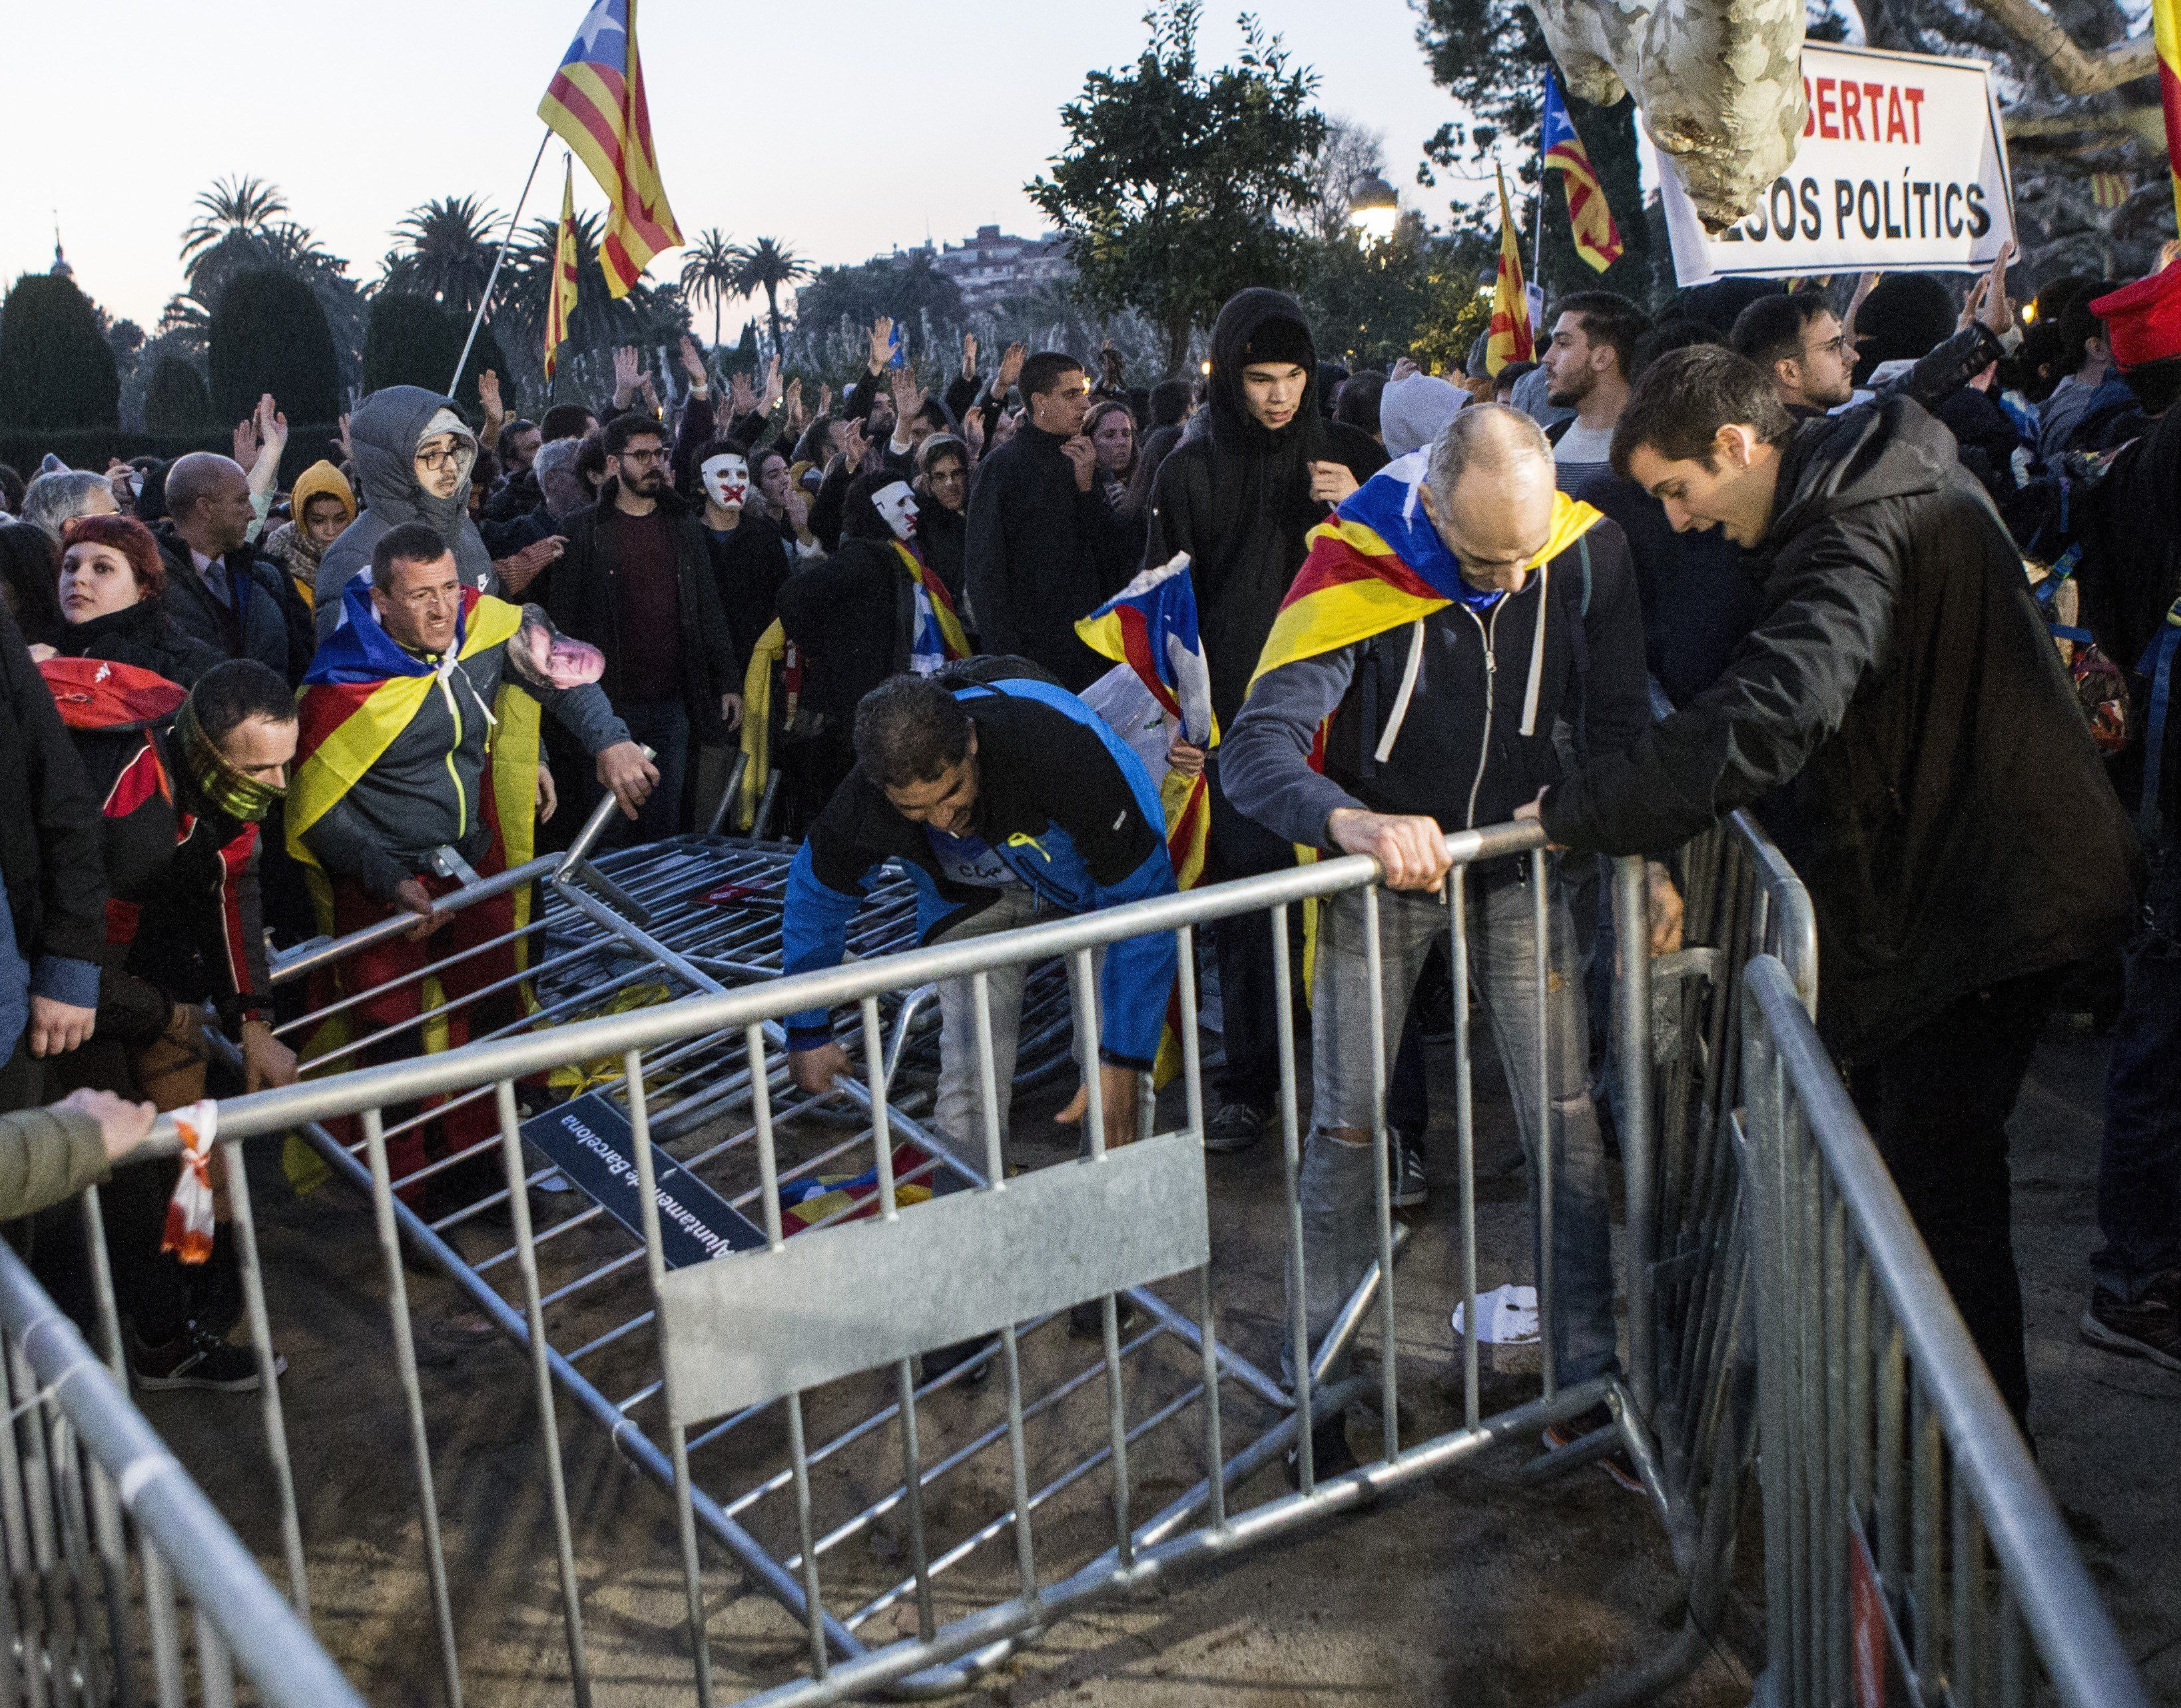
[{"x": 1912, "y": 1551}]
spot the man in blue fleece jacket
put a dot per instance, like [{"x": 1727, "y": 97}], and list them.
[{"x": 1006, "y": 802}]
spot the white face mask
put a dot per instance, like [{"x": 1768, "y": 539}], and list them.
[
  {"x": 898, "y": 505},
  {"x": 726, "y": 480}
]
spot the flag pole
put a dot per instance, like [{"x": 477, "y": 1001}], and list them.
[
  {"x": 484, "y": 301},
  {"x": 1538, "y": 247}
]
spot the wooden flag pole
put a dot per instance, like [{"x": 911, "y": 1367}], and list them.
[{"x": 492, "y": 279}]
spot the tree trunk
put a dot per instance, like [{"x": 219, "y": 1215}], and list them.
[
  {"x": 772, "y": 314},
  {"x": 1177, "y": 343}
]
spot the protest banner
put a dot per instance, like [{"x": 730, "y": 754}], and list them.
[{"x": 1902, "y": 167}]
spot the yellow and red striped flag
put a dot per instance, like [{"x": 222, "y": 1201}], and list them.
[
  {"x": 561, "y": 304},
  {"x": 1596, "y": 238},
  {"x": 595, "y": 104},
  {"x": 1508, "y": 338},
  {"x": 2165, "y": 30},
  {"x": 2110, "y": 190}
]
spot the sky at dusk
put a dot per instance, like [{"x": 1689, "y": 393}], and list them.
[{"x": 844, "y": 127}]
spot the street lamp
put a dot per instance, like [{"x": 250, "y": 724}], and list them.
[{"x": 1373, "y": 208}]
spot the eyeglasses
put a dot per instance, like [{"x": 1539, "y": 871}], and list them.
[
  {"x": 434, "y": 462},
  {"x": 1834, "y": 346},
  {"x": 637, "y": 456}
]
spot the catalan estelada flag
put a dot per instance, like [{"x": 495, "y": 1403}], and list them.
[
  {"x": 2166, "y": 32},
  {"x": 595, "y": 104},
  {"x": 939, "y": 638},
  {"x": 1150, "y": 626},
  {"x": 837, "y": 1197},
  {"x": 1378, "y": 562},
  {"x": 362, "y": 690},
  {"x": 1508, "y": 338},
  {"x": 560, "y": 303},
  {"x": 1596, "y": 238}
]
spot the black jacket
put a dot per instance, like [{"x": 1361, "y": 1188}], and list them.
[
  {"x": 1040, "y": 554},
  {"x": 49, "y": 838},
  {"x": 1961, "y": 828},
  {"x": 584, "y": 603},
  {"x": 272, "y": 626},
  {"x": 1237, "y": 500},
  {"x": 749, "y": 566},
  {"x": 145, "y": 635},
  {"x": 854, "y": 614}
]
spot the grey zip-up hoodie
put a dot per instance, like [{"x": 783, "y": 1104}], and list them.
[
  {"x": 384, "y": 432},
  {"x": 425, "y": 791}
]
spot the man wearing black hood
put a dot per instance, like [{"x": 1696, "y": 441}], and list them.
[
  {"x": 1043, "y": 547},
  {"x": 1241, "y": 500},
  {"x": 1963, "y": 845}
]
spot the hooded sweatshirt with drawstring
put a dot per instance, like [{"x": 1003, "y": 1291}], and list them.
[
  {"x": 386, "y": 433},
  {"x": 1237, "y": 500},
  {"x": 1466, "y": 735}
]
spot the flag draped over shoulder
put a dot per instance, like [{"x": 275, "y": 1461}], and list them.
[
  {"x": 2166, "y": 32},
  {"x": 1378, "y": 562},
  {"x": 360, "y": 692},
  {"x": 595, "y": 104},
  {"x": 560, "y": 303},
  {"x": 1596, "y": 238},
  {"x": 940, "y": 638},
  {"x": 1150, "y": 626},
  {"x": 1508, "y": 338}
]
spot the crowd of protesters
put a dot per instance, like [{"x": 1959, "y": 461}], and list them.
[{"x": 1899, "y": 574}]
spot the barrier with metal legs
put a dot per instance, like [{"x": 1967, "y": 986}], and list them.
[{"x": 1911, "y": 1552}]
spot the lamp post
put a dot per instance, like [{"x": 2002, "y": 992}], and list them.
[{"x": 1373, "y": 208}]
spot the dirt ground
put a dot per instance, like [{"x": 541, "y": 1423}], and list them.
[{"x": 1469, "y": 1589}]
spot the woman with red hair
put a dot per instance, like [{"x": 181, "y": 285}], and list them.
[{"x": 113, "y": 578}]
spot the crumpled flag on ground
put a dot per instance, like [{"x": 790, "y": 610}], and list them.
[
  {"x": 804, "y": 1204},
  {"x": 572, "y": 1079}
]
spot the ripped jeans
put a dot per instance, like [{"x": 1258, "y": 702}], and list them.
[{"x": 1338, "y": 1207}]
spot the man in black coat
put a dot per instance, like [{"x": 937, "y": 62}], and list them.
[
  {"x": 1963, "y": 848},
  {"x": 52, "y": 868},
  {"x": 1241, "y": 499},
  {"x": 218, "y": 590},
  {"x": 635, "y": 582},
  {"x": 1044, "y": 548}
]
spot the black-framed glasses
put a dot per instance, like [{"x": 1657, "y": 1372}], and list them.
[{"x": 434, "y": 462}]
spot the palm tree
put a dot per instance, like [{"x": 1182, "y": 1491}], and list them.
[
  {"x": 709, "y": 268},
  {"x": 444, "y": 250},
  {"x": 246, "y": 206},
  {"x": 766, "y": 265}
]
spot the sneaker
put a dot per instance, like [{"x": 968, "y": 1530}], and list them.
[
  {"x": 941, "y": 1359},
  {"x": 195, "y": 1358},
  {"x": 2149, "y": 1328},
  {"x": 1410, "y": 1190},
  {"x": 1330, "y": 1455},
  {"x": 1235, "y": 1127},
  {"x": 1615, "y": 1464},
  {"x": 1088, "y": 1319}
]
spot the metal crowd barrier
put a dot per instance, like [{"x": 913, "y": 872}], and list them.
[
  {"x": 1912, "y": 1554},
  {"x": 775, "y": 1392},
  {"x": 80, "y": 1469}
]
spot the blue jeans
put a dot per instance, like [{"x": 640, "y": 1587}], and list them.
[
  {"x": 2139, "y": 1168},
  {"x": 1338, "y": 1202}
]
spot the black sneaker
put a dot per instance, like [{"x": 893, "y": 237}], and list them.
[
  {"x": 1088, "y": 1319},
  {"x": 1410, "y": 1189},
  {"x": 1615, "y": 1464},
  {"x": 1235, "y": 1127},
  {"x": 941, "y": 1359},
  {"x": 2149, "y": 1328},
  {"x": 197, "y": 1358},
  {"x": 1330, "y": 1455}
]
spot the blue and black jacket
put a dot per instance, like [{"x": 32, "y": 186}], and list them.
[{"x": 1059, "y": 798}]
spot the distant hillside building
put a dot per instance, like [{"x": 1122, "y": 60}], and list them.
[{"x": 992, "y": 266}]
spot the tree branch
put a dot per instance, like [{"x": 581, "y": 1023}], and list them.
[{"x": 2075, "y": 71}]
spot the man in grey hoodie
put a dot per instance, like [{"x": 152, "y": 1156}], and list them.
[{"x": 413, "y": 457}]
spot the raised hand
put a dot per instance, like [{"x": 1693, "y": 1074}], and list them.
[
  {"x": 743, "y": 393},
  {"x": 881, "y": 342},
  {"x": 1011, "y": 367},
  {"x": 348, "y": 451},
  {"x": 825, "y": 398},
  {"x": 772, "y": 388},
  {"x": 969, "y": 355},
  {"x": 625, "y": 373},
  {"x": 973, "y": 427},
  {"x": 246, "y": 442},
  {"x": 798, "y": 418},
  {"x": 853, "y": 445},
  {"x": 908, "y": 397},
  {"x": 1998, "y": 310},
  {"x": 692, "y": 363},
  {"x": 488, "y": 396},
  {"x": 271, "y": 426}
]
